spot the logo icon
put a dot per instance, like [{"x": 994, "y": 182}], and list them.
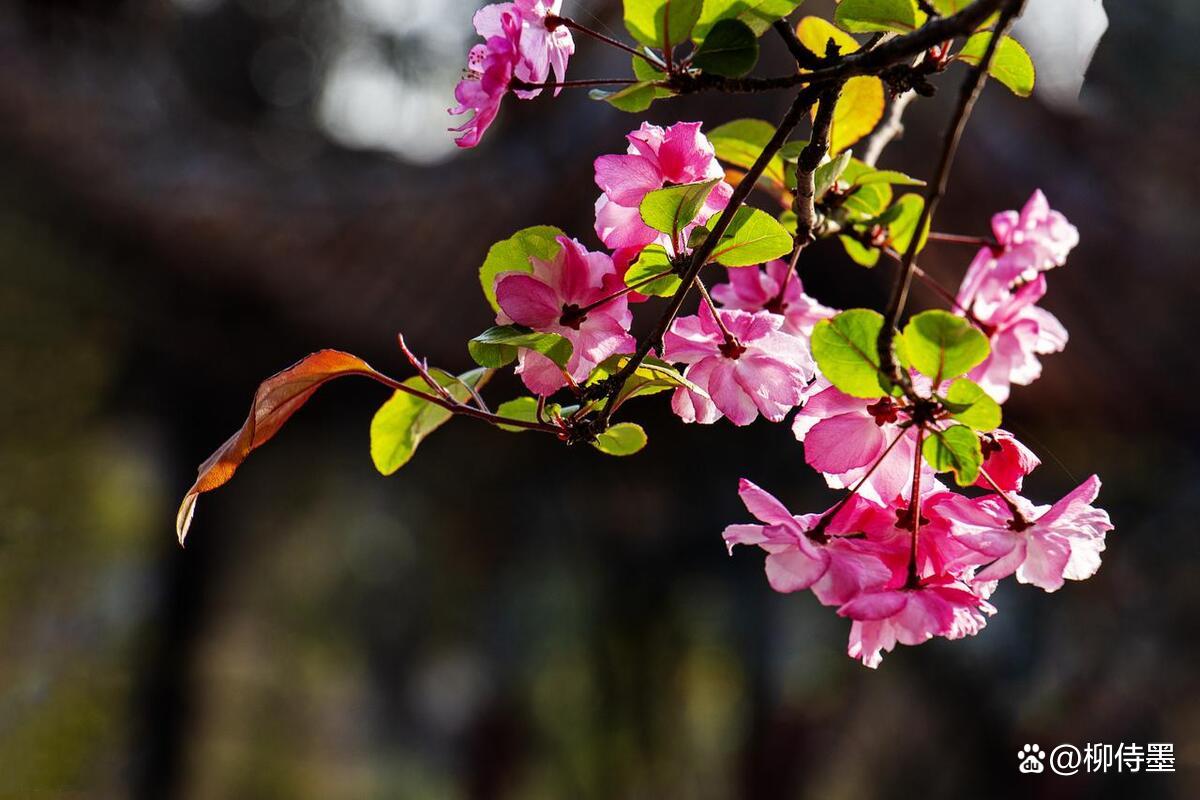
[{"x": 1031, "y": 757}]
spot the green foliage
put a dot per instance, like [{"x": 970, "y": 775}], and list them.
[
  {"x": 828, "y": 173},
  {"x": 662, "y": 23},
  {"x": 859, "y": 253},
  {"x": 753, "y": 237},
  {"x": 497, "y": 346},
  {"x": 956, "y": 450},
  {"x": 730, "y": 49},
  {"x": 633, "y": 99},
  {"x": 513, "y": 254},
  {"x": 653, "y": 260},
  {"x": 968, "y": 403},
  {"x": 902, "y": 222},
  {"x": 740, "y": 143},
  {"x": 525, "y": 409},
  {"x": 942, "y": 345},
  {"x": 651, "y": 377},
  {"x": 756, "y": 14},
  {"x": 846, "y": 351},
  {"x": 1011, "y": 64},
  {"x": 622, "y": 439},
  {"x": 672, "y": 209},
  {"x": 870, "y": 16},
  {"x": 404, "y": 420}
]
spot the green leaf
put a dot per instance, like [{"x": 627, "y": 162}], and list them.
[
  {"x": 644, "y": 71},
  {"x": 867, "y": 202},
  {"x": 757, "y": 14},
  {"x": 956, "y": 450},
  {"x": 659, "y": 23},
  {"x": 870, "y": 16},
  {"x": 859, "y": 252},
  {"x": 525, "y": 409},
  {"x": 846, "y": 352},
  {"x": 901, "y": 227},
  {"x": 828, "y": 173},
  {"x": 1011, "y": 64},
  {"x": 651, "y": 377},
  {"x": 888, "y": 176},
  {"x": 814, "y": 33},
  {"x": 622, "y": 439},
  {"x": 753, "y": 237},
  {"x": 634, "y": 98},
  {"x": 513, "y": 254},
  {"x": 672, "y": 209},
  {"x": 730, "y": 49},
  {"x": 653, "y": 260},
  {"x": 859, "y": 109},
  {"x": 497, "y": 346},
  {"x": 968, "y": 403},
  {"x": 742, "y": 141},
  {"x": 949, "y": 7},
  {"x": 404, "y": 420},
  {"x": 941, "y": 345}
]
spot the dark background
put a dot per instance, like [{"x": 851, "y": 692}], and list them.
[{"x": 185, "y": 209}]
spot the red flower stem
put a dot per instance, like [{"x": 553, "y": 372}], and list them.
[
  {"x": 914, "y": 509},
  {"x": 730, "y": 339},
  {"x": 955, "y": 238}
]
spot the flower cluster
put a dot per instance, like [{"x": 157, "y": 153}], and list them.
[
  {"x": 905, "y": 423},
  {"x": 521, "y": 41}
]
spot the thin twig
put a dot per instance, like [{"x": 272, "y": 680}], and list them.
[
  {"x": 805, "y": 58},
  {"x": 887, "y": 133},
  {"x": 548, "y": 85},
  {"x": 566, "y": 22}
]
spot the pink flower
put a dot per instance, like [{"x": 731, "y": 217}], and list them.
[
  {"x": 550, "y": 301},
  {"x": 753, "y": 289},
  {"x": 1006, "y": 461},
  {"x": 1048, "y": 545},
  {"x": 1019, "y": 331},
  {"x": 490, "y": 69},
  {"x": 845, "y": 436},
  {"x": 834, "y": 567},
  {"x": 518, "y": 44},
  {"x": 765, "y": 370},
  {"x": 541, "y": 47},
  {"x": 940, "y": 607},
  {"x": 655, "y": 157}
]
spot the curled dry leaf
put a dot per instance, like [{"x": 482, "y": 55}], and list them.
[{"x": 275, "y": 400}]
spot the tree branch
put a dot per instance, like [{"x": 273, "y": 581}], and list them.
[
  {"x": 969, "y": 93},
  {"x": 887, "y": 133}
]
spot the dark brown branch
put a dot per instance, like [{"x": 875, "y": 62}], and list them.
[
  {"x": 805, "y": 59},
  {"x": 969, "y": 93},
  {"x": 804, "y": 202}
]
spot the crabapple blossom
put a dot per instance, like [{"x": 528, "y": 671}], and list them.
[
  {"x": 938, "y": 607},
  {"x": 1045, "y": 545},
  {"x": 655, "y": 157},
  {"x": 760, "y": 370},
  {"x": 849, "y": 439},
  {"x": 566, "y": 296},
  {"x": 490, "y": 69},
  {"x": 518, "y": 44},
  {"x": 836, "y": 568},
  {"x": 1018, "y": 332},
  {"x": 754, "y": 289},
  {"x": 1005, "y": 461},
  {"x": 1034, "y": 240}
]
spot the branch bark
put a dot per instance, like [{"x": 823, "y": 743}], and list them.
[{"x": 969, "y": 93}]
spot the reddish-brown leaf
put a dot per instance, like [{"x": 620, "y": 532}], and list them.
[{"x": 276, "y": 399}]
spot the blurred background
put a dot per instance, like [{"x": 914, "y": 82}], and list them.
[{"x": 195, "y": 193}]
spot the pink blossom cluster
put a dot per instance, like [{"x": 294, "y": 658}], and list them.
[
  {"x": 1002, "y": 287},
  {"x": 521, "y": 41},
  {"x": 900, "y": 576}
]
